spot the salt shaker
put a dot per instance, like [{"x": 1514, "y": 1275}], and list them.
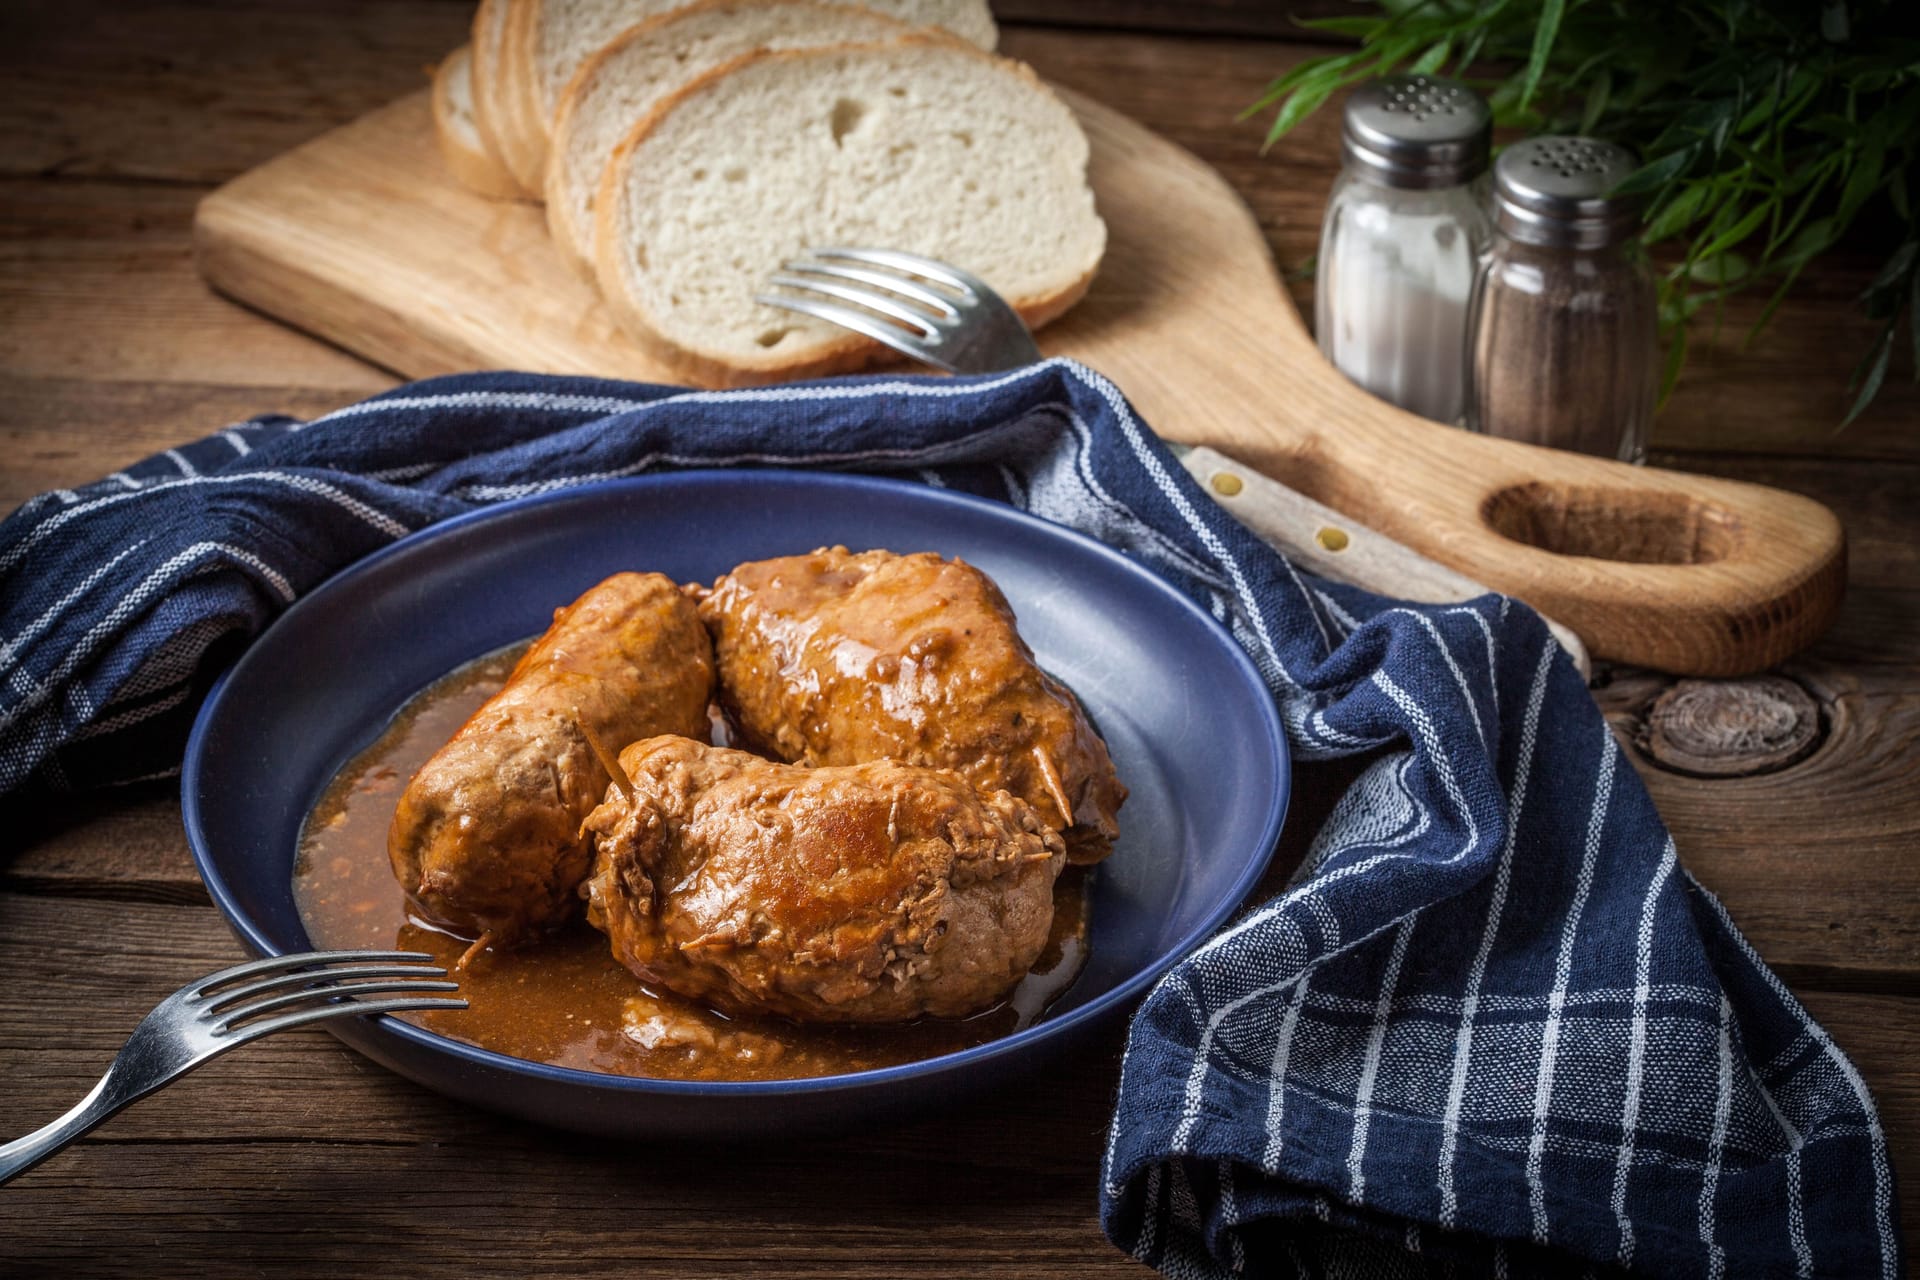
[
  {"x": 1401, "y": 243},
  {"x": 1566, "y": 326}
]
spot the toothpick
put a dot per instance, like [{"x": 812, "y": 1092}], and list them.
[
  {"x": 480, "y": 944},
  {"x": 1055, "y": 788},
  {"x": 606, "y": 758}
]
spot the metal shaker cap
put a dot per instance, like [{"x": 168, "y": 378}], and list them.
[
  {"x": 1417, "y": 132},
  {"x": 1553, "y": 191}
]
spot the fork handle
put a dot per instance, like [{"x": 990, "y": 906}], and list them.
[
  {"x": 22, "y": 1154},
  {"x": 116, "y": 1090}
]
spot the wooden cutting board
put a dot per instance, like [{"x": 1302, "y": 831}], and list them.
[{"x": 362, "y": 237}]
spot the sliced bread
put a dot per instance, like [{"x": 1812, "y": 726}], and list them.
[
  {"x": 623, "y": 82},
  {"x": 461, "y": 145},
  {"x": 487, "y": 48},
  {"x": 521, "y": 137},
  {"x": 924, "y": 144},
  {"x": 550, "y": 40}
]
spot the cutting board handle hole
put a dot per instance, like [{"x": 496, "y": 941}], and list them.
[{"x": 1635, "y": 526}]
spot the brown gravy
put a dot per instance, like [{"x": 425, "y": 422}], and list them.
[{"x": 565, "y": 1000}]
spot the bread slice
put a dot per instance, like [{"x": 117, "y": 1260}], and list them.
[
  {"x": 521, "y": 124},
  {"x": 924, "y": 144},
  {"x": 623, "y": 82},
  {"x": 486, "y": 49},
  {"x": 461, "y": 146},
  {"x": 550, "y": 40}
]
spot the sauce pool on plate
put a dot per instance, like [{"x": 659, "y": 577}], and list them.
[{"x": 565, "y": 1000}]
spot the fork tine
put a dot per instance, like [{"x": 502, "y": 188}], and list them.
[
  {"x": 867, "y": 298},
  {"x": 929, "y": 268},
  {"x": 905, "y": 287},
  {"x": 221, "y": 1000},
  {"x": 860, "y": 322},
  {"x": 300, "y": 960},
  {"x": 354, "y": 990},
  {"x": 254, "y": 1030}
]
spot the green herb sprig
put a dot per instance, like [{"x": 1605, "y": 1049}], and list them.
[{"x": 1767, "y": 129}]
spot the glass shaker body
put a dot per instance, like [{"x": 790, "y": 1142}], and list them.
[
  {"x": 1566, "y": 324},
  {"x": 1404, "y": 230},
  {"x": 1393, "y": 287},
  {"x": 1566, "y": 348}
]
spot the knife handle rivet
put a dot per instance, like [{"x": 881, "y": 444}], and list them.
[
  {"x": 1226, "y": 484},
  {"x": 1332, "y": 539}
]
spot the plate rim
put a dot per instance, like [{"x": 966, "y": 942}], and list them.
[{"x": 1047, "y": 1029}]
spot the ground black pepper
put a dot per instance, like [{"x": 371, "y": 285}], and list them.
[{"x": 1564, "y": 319}]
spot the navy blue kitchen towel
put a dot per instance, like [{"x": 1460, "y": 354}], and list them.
[{"x": 1493, "y": 1026}]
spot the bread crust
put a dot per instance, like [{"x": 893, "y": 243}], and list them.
[
  {"x": 471, "y": 166},
  {"x": 522, "y": 134},
  {"x": 846, "y": 354},
  {"x": 483, "y": 76}
]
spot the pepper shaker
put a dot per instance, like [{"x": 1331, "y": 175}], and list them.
[
  {"x": 1400, "y": 245},
  {"x": 1565, "y": 318}
]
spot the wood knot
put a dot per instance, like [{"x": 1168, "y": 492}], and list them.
[{"x": 1730, "y": 728}]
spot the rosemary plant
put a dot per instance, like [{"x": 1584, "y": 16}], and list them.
[{"x": 1767, "y": 129}]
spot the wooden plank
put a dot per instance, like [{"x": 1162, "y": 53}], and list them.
[
  {"x": 317, "y": 1160},
  {"x": 97, "y": 283},
  {"x": 1784, "y": 390},
  {"x": 1261, "y": 18},
  {"x": 60, "y": 432},
  {"x": 193, "y": 91},
  {"x": 1815, "y": 861},
  {"x": 260, "y": 79},
  {"x": 126, "y": 845},
  {"x": 416, "y": 1208}
]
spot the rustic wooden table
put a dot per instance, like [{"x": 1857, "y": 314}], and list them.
[{"x": 299, "y": 1157}]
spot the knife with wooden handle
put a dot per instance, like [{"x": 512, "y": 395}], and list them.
[{"x": 1322, "y": 541}]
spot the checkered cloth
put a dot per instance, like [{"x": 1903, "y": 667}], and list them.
[{"x": 1493, "y": 1024}]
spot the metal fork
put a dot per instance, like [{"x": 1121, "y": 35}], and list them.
[
  {"x": 204, "y": 1019},
  {"x": 927, "y": 309}
]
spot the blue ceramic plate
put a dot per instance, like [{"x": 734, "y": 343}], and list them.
[{"x": 1194, "y": 736}]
